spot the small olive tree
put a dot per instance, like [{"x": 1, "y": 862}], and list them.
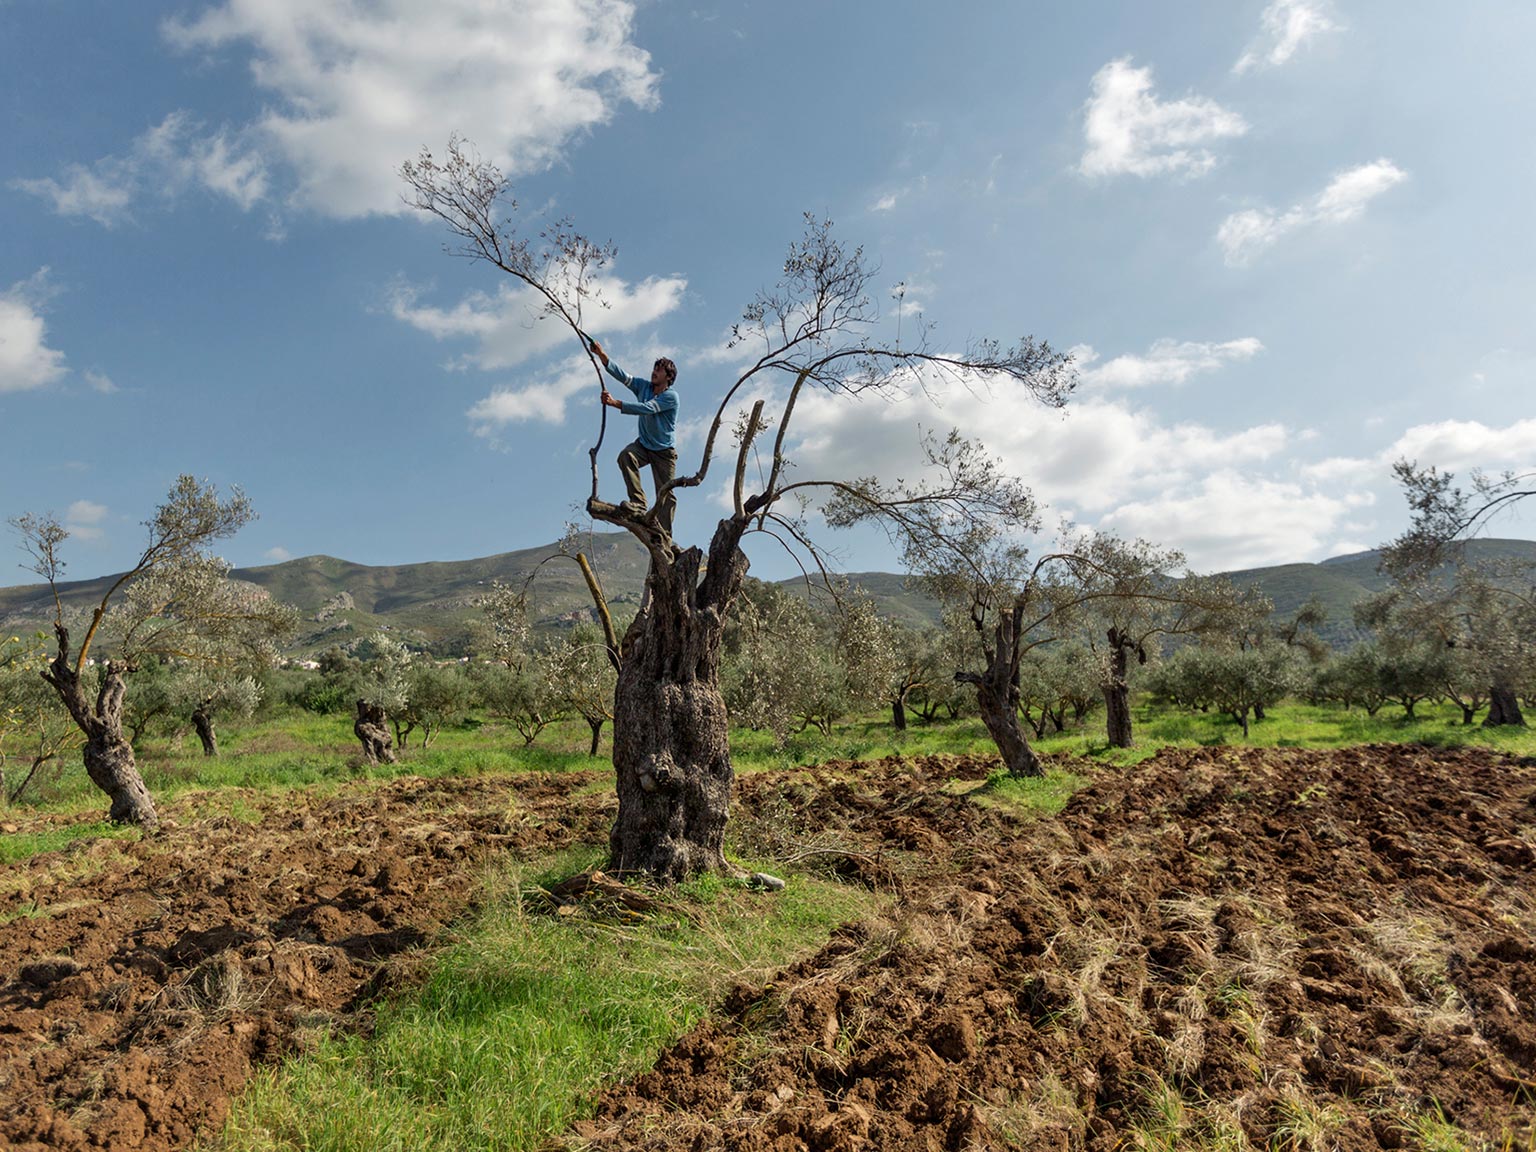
[
  {"x": 581, "y": 677},
  {"x": 176, "y": 601},
  {"x": 36, "y": 733}
]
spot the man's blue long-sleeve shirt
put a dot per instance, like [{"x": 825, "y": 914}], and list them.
[{"x": 657, "y": 410}]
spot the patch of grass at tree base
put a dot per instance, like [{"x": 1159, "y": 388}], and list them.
[
  {"x": 1028, "y": 795},
  {"x": 528, "y": 1014}
]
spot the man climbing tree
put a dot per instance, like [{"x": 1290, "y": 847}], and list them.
[
  {"x": 818, "y": 328},
  {"x": 655, "y": 403}
]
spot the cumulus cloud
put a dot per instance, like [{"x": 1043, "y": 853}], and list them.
[
  {"x": 26, "y": 361},
  {"x": 84, "y": 519},
  {"x": 506, "y": 325},
  {"x": 277, "y": 554},
  {"x": 1228, "y": 520},
  {"x": 176, "y": 154},
  {"x": 1461, "y": 445},
  {"x": 1103, "y": 462},
  {"x": 1166, "y": 362},
  {"x": 1285, "y": 27},
  {"x": 884, "y": 204},
  {"x": 1248, "y": 234},
  {"x": 356, "y": 89},
  {"x": 543, "y": 400},
  {"x": 1128, "y": 130}
]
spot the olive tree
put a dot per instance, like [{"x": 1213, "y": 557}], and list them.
[
  {"x": 212, "y": 693},
  {"x": 35, "y": 730},
  {"x": 1488, "y": 609},
  {"x": 1132, "y": 595},
  {"x": 581, "y": 677},
  {"x": 816, "y": 327},
  {"x": 177, "y": 600},
  {"x": 384, "y": 688},
  {"x": 776, "y": 673},
  {"x": 436, "y": 695}
]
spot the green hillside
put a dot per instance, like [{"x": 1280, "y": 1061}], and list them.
[{"x": 434, "y": 603}]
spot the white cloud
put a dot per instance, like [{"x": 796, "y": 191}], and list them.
[
  {"x": 1247, "y": 234},
  {"x": 1336, "y": 470},
  {"x": 1461, "y": 445},
  {"x": 357, "y": 89},
  {"x": 1166, "y": 362},
  {"x": 1102, "y": 462},
  {"x": 84, "y": 519},
  {"x": 1451, "y": 445},
  {"x": 884, "y": 204},
  {"x": 543, "y": 400},
  {"x": 1228, "y": 497},
  {"x": 164, "y": 162},
  {"x": 507, "y": 326},
  {"x": 1128, "y": 130},
  {"x": 277, "y": 554},
  {"x": 26, "y": 361},
  {"x": 1229, "y": 520},
  {"x": 100, "y": 382},
  {"x": 1286, "y": 25}
]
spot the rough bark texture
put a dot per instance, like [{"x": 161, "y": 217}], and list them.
[
  {"x": 371, "y": 731},
  {"x": 203, "y": 722},
  {"x": 108, "y": 755},
  {"x": 1503, "y": 708},
  {"x": 597, "y": 735},
  {"x": 899, "y": 713},
  {"x": 670, "y": 750},
  {"x": 1117, "y": 691},
  {"x": 997, "y": 698}
]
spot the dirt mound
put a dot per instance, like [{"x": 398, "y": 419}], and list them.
[
  {"x": 140, "y": 982},
  {"x": 1292, "y": 949}
]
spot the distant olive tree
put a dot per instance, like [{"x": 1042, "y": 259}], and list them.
[
  {"x": 1487, "y": 610},
  {"x": 209, "y": 694},
  {"x": 775, "y": 668},
  {"x": 177, "y": 600},
  {"x": 436, "y": 696},
  {"x": 36, "y": 733},
  {"x": 581, "y": 677}
]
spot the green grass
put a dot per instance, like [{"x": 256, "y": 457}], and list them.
[
  {"x": 1293, "y": 724},
  {"x": 298, "y": 750},
  {"x": 1039, "y": 795},
  {"x": 21, "y": 845},
  {"x": 868, "y": 738},
  {"x": 528, "y": 1015}
]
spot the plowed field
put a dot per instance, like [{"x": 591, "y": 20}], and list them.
[{"x": 1214, "y": 949}]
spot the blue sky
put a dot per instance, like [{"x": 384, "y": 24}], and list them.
[{"x": 1288, "y": 241}]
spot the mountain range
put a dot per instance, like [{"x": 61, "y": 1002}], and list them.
[{"x": 433, "y": 603}]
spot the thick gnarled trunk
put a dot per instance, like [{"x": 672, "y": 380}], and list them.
[
  {"x": 202, "y": 721},
  {"x": 108, "y": 753},
  {"x": 1503, "y": 708},
  {"x": 1117, "y": 691},
  {"x": 997, "y": 698},
  {"x": 671, "y": 754},
  {"x": 370, "y": 728}
]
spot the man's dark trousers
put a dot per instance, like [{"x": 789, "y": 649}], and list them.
[{"x": 663, "y": 464}]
